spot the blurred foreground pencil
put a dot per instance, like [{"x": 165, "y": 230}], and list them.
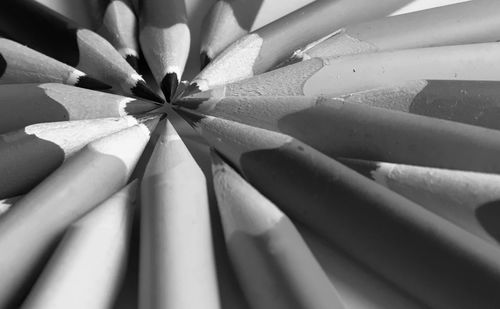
[
  {"x": 467, "y": 199},
  {"x": 264, "y": 48},
  {"x": 177, "y": 265},
  {"x": 334, "y": 76},
  {"x": 341, "y": 129},
  {"x": 229, "y": 20},
  {"x": 165, "y": 39},
  {"x": 30, "y": 230},
  {"x": 468, "y": 101},
  {"x": 462, "y": 23},
  {"x": 21, "y": 64},
  {"x": 87, "y": 268},
  {"x": 43, "y": 29},
  {"x": 27, "y": 156},
  {"x": 25, "y": 104},
  {"x": 7, "y": 203},
  {"x": 413, "y": 248},
  {"x": 272, "y": 261},
  {"x": 116, "y": 21}
]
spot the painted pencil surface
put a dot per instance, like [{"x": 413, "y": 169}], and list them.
[
  {"x": 25, "y": 104},
  {"x": 264, "y": 48},
  {"x": 7, "y": 203},
  {"x": 334, "y": 76},
  {"x": 229, "y": 20},
  {"x": 116, "y": 21},
  {"x": 21, "y": 64},
  {"x": 28, "y": 155},
  {"x": 40, "y": 218},
  {"x": 32, "y": 24},
  {"x": 165, "y": 39},
  {"x": 462, "y": 23},
  {"x": 274, "y": 265},
  {"x": 177, "y": 266},
  {"x": 467, "y": 199},
  {"x": 87, "y": 267},
  {"x": 341, "y": 129},
  {"x": 411, "y": 247},
  {"x": 467, "y": 101}
]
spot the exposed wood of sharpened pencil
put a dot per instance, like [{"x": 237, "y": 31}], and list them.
[
  {"x": 165, "y": 40},
  {"x": 177, "y": 265},
  {"x": 462, "y": 23},
  {"x": 116, "y": 21},
  {"x": 28, "y": 155},
  {"x": 40, "y": 218},
  {"x": 274, "y": 265},
  {"x": 341, "y": 129},
  {"x": 25, "y": 104},
  {"x": 229, "y": 20},
  {"x": 413, "y": 248},
  {"x": 335, "y": 76},
  {"x": 87, "y": 268},
  {"x": 43, "y": 29},
  {"x": 264, "y": 48},
  {"x": 468, "y": 199},
  {"x": 21, "y": 64},
  {"x": 467, "y": 101}
]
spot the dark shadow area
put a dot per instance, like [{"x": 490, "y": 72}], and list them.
[{"x": 488, "y": 216}]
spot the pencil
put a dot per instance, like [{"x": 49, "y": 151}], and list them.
[
  {"x": 7, "y": 203},
  {"x": 458, "y": 196},
  {"x": 264, "y": 48},
  {"x": 25, "y": 104},
  {"x": 32, "y": 24},
  {"x": 474, "y": 102},
  {"x": 274, "y": 266},
  {"x": 177, "y": 265},
  {"x": 341, "y": 129},
  {"x": 461, "y": 23},
  {"x": 28, "y": 155},
  {"x": 116, "y": 21},
  {"x": 414, "y": 249},
  {"x": 21, "y": 64},
  {"x": 165, "y": 40},
  {"x": 229, "y": 20},
  {"x": 40, "y": 218},
  {"x": 335, "y": 76},
  {"x": 87, "y": 267}
]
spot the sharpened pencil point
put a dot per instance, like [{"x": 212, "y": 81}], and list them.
[
  {"x": 133, "y": 61},
  {"x": 88, "y": 82},
  {"x": 143, "y": 91},
  {"x": 169, "y": 85},
  {"x": 204, "y": 60}
]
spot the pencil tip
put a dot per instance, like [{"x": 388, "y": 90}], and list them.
[
  {"x": 133, "y": 61},
  {"x": 204, "y": 60},
  {"x": 88, "y": 82},
  {"x": 169, "y": 85},
  {"x": 142, "y": 90}
]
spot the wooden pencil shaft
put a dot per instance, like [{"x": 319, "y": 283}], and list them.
[{"x": 462, "y": 23}]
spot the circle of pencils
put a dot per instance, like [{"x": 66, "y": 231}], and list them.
[{"x": 326, "y": 155}]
